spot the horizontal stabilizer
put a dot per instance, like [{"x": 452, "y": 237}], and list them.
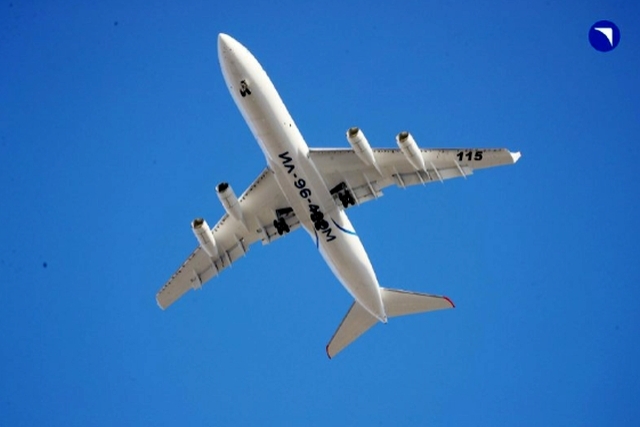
[
  {"x": 396, "y": 303},
  {"x": 357, "y": 321},
  {"x": 399, "y": 303}
]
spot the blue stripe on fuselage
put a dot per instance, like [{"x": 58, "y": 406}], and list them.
[{"x": 353, "y": 233}]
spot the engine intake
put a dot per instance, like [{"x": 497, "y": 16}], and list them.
[
  {"x": 361, "y": 146},
  {"x": 203, "y": 233},
  {"x": 410, "y": 149},
  {"x": 229, "y": 200}
]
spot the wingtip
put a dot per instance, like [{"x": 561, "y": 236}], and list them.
[
  {"x": 450, "y": 302},
  {"x": 515, "y": 156},
  {"x": 160, "y": 304},
  {"x": 327, "y": 350}
]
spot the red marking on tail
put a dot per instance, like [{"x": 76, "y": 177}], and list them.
[{"x": 450, "y": 302}]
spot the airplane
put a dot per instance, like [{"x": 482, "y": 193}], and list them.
[{"x": 313, "y": 188}]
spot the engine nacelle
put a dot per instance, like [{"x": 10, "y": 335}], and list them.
[
  {"x": 205, "y": 237},
  {"x": 229, "y": 200},
  {"x": 361, "y": 146},
  {"x": 410, "y": 149}
]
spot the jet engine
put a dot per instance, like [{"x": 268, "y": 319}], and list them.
[
  {"x": 410, "y": 149},
  {"x": 229, "y": 200},
  {"x": 361, "y": 146},
  {"x": 205, "y": 237}
]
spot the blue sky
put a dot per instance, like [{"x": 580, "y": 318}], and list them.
[{"x": 115, "y": 126}]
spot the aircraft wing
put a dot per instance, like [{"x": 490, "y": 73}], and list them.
[
  {"x": 337, "y": 166},
  {"x": 259, "y": 203}
]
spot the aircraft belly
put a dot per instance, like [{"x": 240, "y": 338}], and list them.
[
  {"x": 301, "y": 183},
  {"x": 338, "y": 243},
  {"x": 351, "y": 265}
]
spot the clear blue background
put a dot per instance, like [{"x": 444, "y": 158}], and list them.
[{"x": 115, "y": 126}]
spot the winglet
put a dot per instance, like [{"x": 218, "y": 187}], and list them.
[{"x": 515, "y": 156}]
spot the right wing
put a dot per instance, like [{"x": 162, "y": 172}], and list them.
[
  {"x": 342, "y": 167},
  {"x": 261, "y": 203}
]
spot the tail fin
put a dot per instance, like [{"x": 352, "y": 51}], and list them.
[
  {"x": 396, "y": 303},
  {"x": 399, "y": 303}
]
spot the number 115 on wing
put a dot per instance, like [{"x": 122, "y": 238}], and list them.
[{"x": 469, "y": 155}]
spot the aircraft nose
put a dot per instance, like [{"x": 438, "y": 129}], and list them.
[{"x": 223, "y": 42}]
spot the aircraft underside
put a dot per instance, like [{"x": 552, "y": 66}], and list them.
[{"x": 313, "y": 188}]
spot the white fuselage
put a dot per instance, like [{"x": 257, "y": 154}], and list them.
[{"x": 303, "y": 187}]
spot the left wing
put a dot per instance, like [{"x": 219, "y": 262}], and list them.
[
  {"x": 342, "y": 168},
  {"x": 261, "y": 203}
]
